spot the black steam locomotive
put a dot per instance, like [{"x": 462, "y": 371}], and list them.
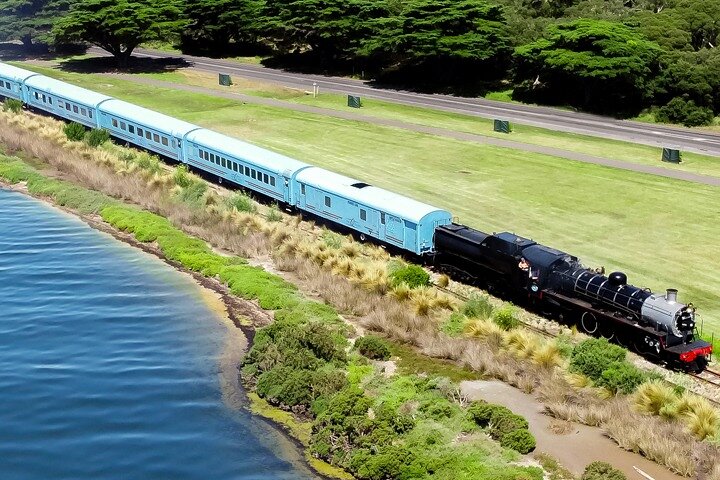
[{"x": 556, "y": 283}]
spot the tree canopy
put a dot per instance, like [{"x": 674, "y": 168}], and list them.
[
  {"x": 213, "y": 25},
  {"x": 29, "y": 20},
  {"x": 588, "y": 63},
  {"x": 119, "y": 26}
]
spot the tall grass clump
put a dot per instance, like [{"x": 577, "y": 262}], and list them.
[
  {"x": 96, "y": 137},
  {"x": 656, "y": 397},
  {"x": 74, "y": 131},
  {"x": 12, "y": 105}
]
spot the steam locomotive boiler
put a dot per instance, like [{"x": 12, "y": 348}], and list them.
[{"x": 555, "y": 282}]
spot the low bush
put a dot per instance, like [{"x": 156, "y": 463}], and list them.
[
  {"x": 478, "y": 306},
  {"x": 621, "y": 377},
  {"x": 505, "y": 318},
  {"x": 602, "y": 471},
  {"x": 96, "y": 137},
  {"x": 242, "y": 202},
  {"x": 274, "y": 213},
  {"x": 520, "y": 440},
  {"x": 12, "y": 105},
  {"x": 687, "y": 112},
  {"x": 373, "y": 347},
  {"x": 413, "y": 276},
  {"x": 593, "y": 356},
  {"x": 74, "y": 131}
]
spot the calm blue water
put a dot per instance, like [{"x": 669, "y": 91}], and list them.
[{"x": 108, "y": 364}]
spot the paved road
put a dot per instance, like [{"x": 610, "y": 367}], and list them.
[
  {"x": 562, "y": 120},
  {"x": 443, "y": 132}
]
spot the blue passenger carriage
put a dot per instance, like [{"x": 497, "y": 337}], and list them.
[
  {"x": 145, "y": 128},
  {"x": 371, "y": 211},
  {"x": 63, "y": 100},
  {"x": 244, "y": 164},
  {"x": 11, "y": 81}
]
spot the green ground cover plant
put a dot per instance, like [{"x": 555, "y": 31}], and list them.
[{"x": 373, "y": 347}]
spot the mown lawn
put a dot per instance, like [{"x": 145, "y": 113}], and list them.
[
  {"x": 600, "y": 147},
  {"x": 659, "y": 231}
]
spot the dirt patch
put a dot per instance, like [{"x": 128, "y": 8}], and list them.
[{"x": 576, "y": 448}]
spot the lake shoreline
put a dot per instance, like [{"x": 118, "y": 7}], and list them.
[{"x": 240, "y": 317}]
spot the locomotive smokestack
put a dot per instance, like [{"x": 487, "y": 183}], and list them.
[{"x": 671, "y": 295}]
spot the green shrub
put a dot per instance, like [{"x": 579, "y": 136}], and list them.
[
  {"x": 504, "y": 421},
  {"x": 621, "y": 377},
  {"x": 412, "y": 275},
  {"x": 505, "y": 317},
  {"x": 96, "y": 137},
  {"x": 242, "y": 202},
  {"x": 274, "y": 213},
  {"x": 454, "y": 325},
  {"x": 520, "y": 440},
  {"x": 481, "y": 412},
  {"x": 181, "y": 177},
  {"x": 373, "y": 347},
  {"x": 593, "y": 356},
  {"x": 74, "y": 131},
  {"x": 194, "y": 191},
  {"x": 602, "y": 471},
  {"x": 687, "y": 112},
  {"x": 478, "y": 306},
  {"x": 12, "y": 105},
  {"x": 286, "y": 386},
  {"x": 564, "y": 345}
]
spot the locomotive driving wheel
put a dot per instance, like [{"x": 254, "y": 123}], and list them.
[{"x": 589, "y": 323}]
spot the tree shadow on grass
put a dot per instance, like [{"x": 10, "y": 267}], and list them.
[{"x": 134, "y": 65}]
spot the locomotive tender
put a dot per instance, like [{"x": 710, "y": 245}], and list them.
[{"x": 555, "y": 282}]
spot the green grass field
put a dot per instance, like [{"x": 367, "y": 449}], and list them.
[
  {"x": 659, "y": 231},
  {"x": 630, "y": 152}
]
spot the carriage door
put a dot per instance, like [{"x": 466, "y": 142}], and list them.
[{"x": 411, "y": 236}]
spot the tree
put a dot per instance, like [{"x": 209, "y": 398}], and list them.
[
  {"x": 215, "y": 24},
  {"x": 702, "y": 20},
  {"x": 29, "y": 20},
  {"x": 119, "y": 26},
  {"x": 332, "y": 29},
  {"x": 446, "y": 39},
  {"x": 593, "y": 64}
]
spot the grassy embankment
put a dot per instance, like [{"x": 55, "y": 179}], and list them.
[
  {"x": 307, "y": 372},
  {"x": 655, "y": 229},
  {"x": 355, "y": 279}
]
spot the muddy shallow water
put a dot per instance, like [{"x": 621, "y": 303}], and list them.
[{"x": 576, "y": 448}]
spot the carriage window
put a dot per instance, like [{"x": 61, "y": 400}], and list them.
[
  {"x": 328, "y": 203},
  {"x": 37, "y": 97},
  {"x": 131, "y": 128},
  {"x": 253, "y": 173},
  {"x": 247, "y": 171},
  {"x": 123, "y": 126},
  {"x": 83, "y": 111},
  {"x": 302, "y": 189},
  {"x": 140, "y": 132},
  {"x": 272, "y": 181},
  {"x": 147, "y": 134},
  {"x": 114, "y": 123},
  {"x": 165, "y": 141},
  {"x": 382, "y": 218},
  {"x": 266, "y": 178},
  {"x": 75, "y": 108},
  {"x": 44, "y": 98},
  {"x": 50, "y": 100},
  {"x": 223, "y": 162},
  {"x": 90, "y": 113},
  {"x": 156, "y": 138},
  {"x": 235, "y": 166},
  {"x": 363, "y": 215}
]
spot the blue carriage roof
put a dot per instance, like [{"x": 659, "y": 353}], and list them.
[
  {"x": 145, "y": 116},
  {"x": 14, "y": 73},
  {"x": 232, "y": 147},
  {"x": 373, "y": 197},
  {"x": 65, "y": 90}
]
